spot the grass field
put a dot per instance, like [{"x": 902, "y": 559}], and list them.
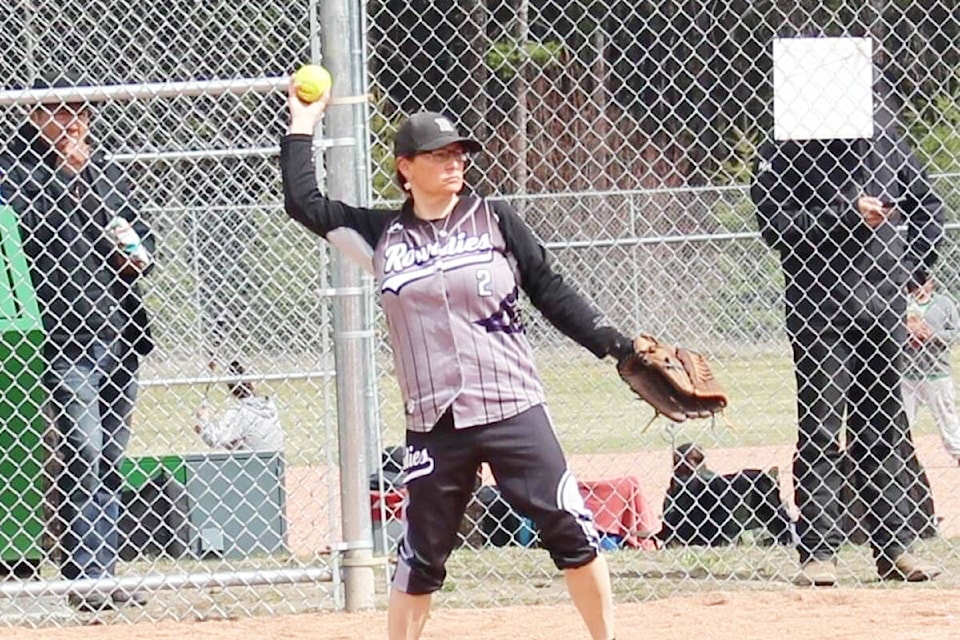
[
  {"x": 529, "y": 577},
  {"x": 591, "y": 407}
]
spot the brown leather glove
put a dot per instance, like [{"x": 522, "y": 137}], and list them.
[{"x": 676, "y": 382}]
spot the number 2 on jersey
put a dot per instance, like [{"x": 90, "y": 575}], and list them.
[{"x": 483, "y": 283}]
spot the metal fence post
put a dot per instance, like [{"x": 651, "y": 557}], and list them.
[{"x": 340, "y": 27}]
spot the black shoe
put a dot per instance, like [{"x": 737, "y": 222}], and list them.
[
  {"x": 123, "y": 597},
  {"x": 90, "y": 603}
]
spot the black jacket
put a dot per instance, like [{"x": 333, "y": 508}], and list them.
[
  {"x": 838, "y": 270},
  {"x": 73, "y": 263}
]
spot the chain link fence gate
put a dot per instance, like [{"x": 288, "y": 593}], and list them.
[{"x": 624, "y": 133}]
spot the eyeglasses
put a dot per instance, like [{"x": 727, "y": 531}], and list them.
[{"x": 443, "y": 156}]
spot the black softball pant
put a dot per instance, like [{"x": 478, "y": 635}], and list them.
[{"x": 440, "y": 469}]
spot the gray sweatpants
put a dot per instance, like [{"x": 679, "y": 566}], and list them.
[{"x": 938, "y": 395}]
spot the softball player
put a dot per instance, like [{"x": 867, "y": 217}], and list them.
[{"x": 449, "y": 268}]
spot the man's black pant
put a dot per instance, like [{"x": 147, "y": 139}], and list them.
[{"x": 851, "y": 374}]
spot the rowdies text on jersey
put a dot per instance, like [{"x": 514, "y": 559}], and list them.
[
  {"x": 398, "y": 257},
  {"x": 404, "y": 264}
]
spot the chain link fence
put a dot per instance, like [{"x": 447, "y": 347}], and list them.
[
  {"x": 624, "y": 133},
  {"x": 230, "y": 512}
]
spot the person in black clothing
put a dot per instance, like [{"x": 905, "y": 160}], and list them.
[
  {"x": 449, "y": 268},
  {"x": 851, "y": 221},
  {"x": 709, "y": 509},
  {"x": 87, "y": 247}
]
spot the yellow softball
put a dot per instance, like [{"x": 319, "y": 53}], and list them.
[{"x": 313, "y": 82}]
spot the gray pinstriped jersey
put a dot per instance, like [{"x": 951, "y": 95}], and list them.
[
  {"x": 449, "y": 290},
  {"x": 450, "y": 295}
]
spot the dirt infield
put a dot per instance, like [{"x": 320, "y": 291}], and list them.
[
  {"x": 652, "y": 468},
  {"x": 908, "y": 613}
]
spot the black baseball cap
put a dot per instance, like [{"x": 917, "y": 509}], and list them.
[{"x": 429, "y": 131}]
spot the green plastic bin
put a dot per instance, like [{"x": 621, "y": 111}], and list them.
[
  {"x": 137, "y": 470},
  {"x": 22, "y": 397}
]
